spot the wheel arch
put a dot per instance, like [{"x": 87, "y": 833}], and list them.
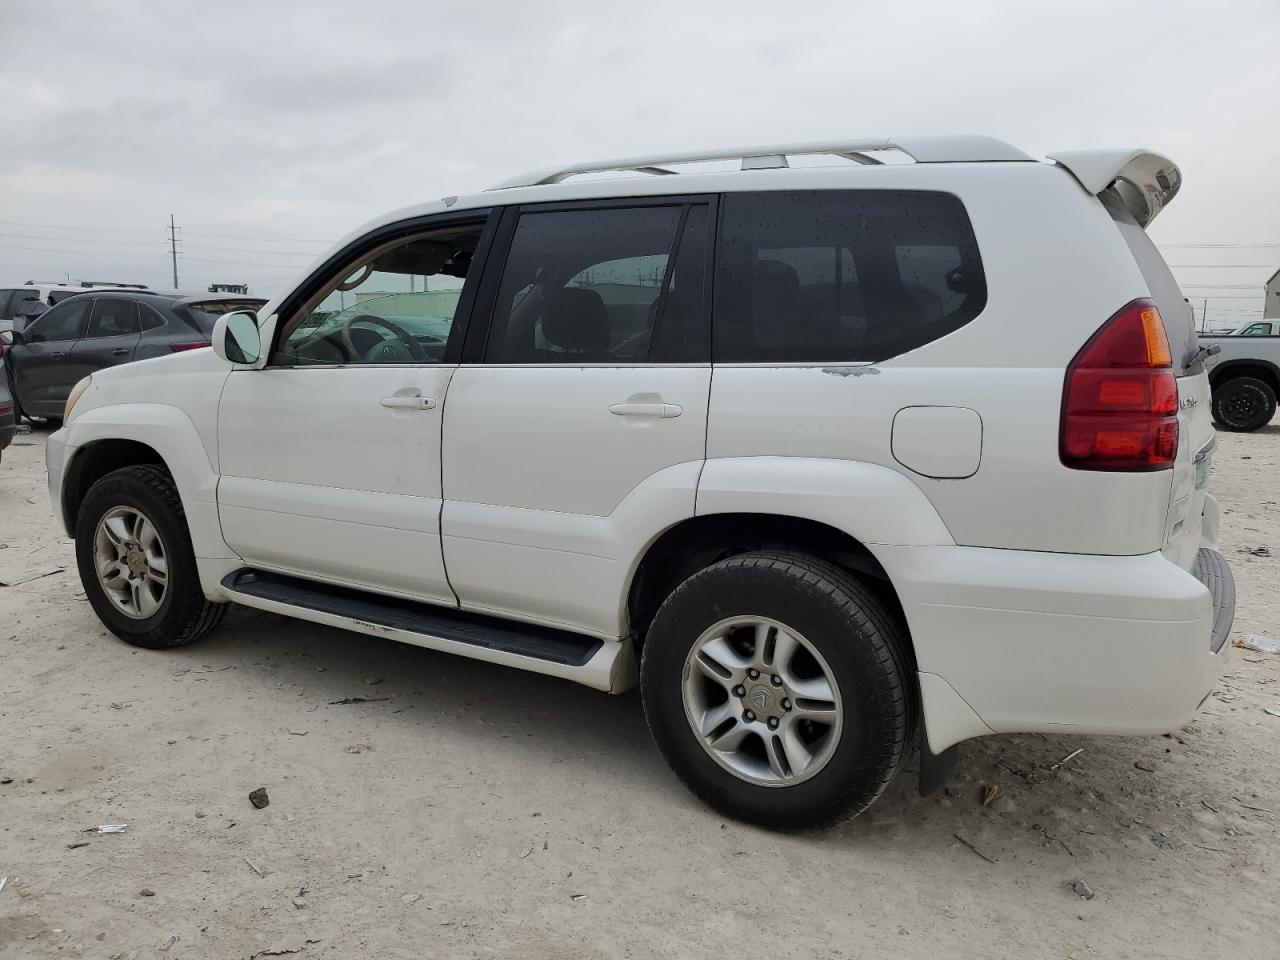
[
  {"x": 699, "y": 541},
  {"x": 1262, "y": 370},
  {"x": 113, "y": 436}
]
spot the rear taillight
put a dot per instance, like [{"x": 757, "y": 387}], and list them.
[
  {"x": 1120, "y": 400},
  {"x": 188, "y": 345}
]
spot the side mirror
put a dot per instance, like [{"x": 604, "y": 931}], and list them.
[{"x": 236, "y": 337}]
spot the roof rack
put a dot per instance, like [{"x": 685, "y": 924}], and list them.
[{"x": 920, "y": 149}]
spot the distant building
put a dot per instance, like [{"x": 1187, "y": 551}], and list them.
[
  {"x": 228, "y": 288},
  {"x": 1271, "y": 301}
]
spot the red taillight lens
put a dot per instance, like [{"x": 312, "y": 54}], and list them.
[
  {"x": 189, "y": 345},
  {"x": 1120, "y": 400}
]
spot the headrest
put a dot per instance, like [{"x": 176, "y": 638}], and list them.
[{"x": 575, "y": 320}]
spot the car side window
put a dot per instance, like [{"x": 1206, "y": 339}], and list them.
[
  {"x": 596, "y": 285},
  {"x": 112, "y": 318},
  {"x": 1258, "y": 330},
  {"x": 842, "y": 275},
  {"x": 397, "y": 304},
  {"x": 63, "y": 322},
  {"x": 148, "y": 318}
]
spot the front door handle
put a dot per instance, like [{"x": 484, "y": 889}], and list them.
[
  {"x": 57, "y": 356},
  {"x": 119, "y": 351},
  {"x": 663, "y": 410},
  {"x": 416, "y": 402}
]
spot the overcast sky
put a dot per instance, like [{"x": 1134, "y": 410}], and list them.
[{"x": 265, "y": 127}]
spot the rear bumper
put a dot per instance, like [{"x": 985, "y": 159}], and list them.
[{"x": 1014, "y": 641}]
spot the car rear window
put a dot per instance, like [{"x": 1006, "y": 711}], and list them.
[
  {"x": 206, "y": 313},
  {"x": 1179, "y": 322},
  {"x": 842, "y": 275}
]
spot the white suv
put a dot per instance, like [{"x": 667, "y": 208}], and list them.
[{"x": 820, "y": 456}]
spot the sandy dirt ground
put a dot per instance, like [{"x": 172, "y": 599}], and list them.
[{"x": 475, "y": 811}]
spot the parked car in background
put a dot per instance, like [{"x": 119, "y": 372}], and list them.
[
  {"x": 94, "y": 330},
  {"x": 1259, "y": 328},
  {"x": 1244, "y": 374},
  {"x": 875, "y": 485},
  {"x": 21, "y": 303},
  {"x": 8, "y": 416}
]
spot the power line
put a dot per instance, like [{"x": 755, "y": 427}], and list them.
[
  {"x": 228, "y": 236},
  {"x": 80, "y": 253},
  {"x": 31, "y": 236}
]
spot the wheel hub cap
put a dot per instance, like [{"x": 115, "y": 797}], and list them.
[
  {"x": 130, "y": 560},
  {"x": 762, "y": 701}
]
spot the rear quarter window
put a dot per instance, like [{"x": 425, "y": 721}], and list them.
[{"x": 842, "y": 275}]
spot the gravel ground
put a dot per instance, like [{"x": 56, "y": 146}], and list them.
[{"x": 475, "y": 811}]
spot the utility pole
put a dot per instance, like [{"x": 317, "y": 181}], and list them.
[{"x": 173, "y": 249}]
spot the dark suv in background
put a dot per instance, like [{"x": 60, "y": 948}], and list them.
[{"x": 89, "y": 331}]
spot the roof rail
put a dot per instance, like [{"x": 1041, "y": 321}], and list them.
[{"x": 921, "y": 149}]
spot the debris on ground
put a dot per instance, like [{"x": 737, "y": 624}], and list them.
[
  {"x": 299, "y": 903},
  {"x": 969, "y": 843},
  {"x": 259, "y": 798},
  {"x": 372, "y": 681},
  {"x": 339, "y": 703},
  {"x": 77, "y": 844},
  {"x": 3, "y": 881},
  {"x": 1081, "y": 890},
  {"x": 1261, "y": 644},
  {"x": 410, "y": 898},
  {"x": 1139, "y": 765},
  {"x": 146, "y": 892},
  {"x": 108, "y": 828},
  {"x": 1067, "y": 759},
  {"x": 253, "y": 866},
  {"x": 990, "y": 793},
  {"x": 577, "y": 896},
  {"x": 1274, "y": 711},
  {"x": 172, "y": 940},
  {"x": 35, "y": 573},
  {"x": 1263, "y": 551}
]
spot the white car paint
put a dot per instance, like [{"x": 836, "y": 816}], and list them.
[{"x": 1038, "y": 598}]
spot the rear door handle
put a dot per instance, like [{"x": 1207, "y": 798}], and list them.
[
  {"x": 418, "y": 402},
  {"x": 119, "y": 351},
  {"x": 663, "y": 410},
  {"x": 57, "y": 356}
]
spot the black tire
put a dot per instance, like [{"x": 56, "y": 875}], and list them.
[
  {"x": 866, "y": 653},
  {"x": 1243, "y": 404},
  {"x": 184, "y": 614}
]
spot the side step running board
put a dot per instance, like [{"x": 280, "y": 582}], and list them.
[{"x": 541, "y": 649}]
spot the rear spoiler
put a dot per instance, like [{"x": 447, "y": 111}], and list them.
[{"x": 1146, "y": 182}]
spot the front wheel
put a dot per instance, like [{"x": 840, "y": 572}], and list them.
[
  {"x": 776, "y": 687},
  {"x": 1244, "y": 404},
  {"x": 136, "y": 563}
]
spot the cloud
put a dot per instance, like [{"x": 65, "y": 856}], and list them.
[{"x": 305, "y": 119}]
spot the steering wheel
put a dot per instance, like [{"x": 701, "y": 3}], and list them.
[{"x": 415, "y": 350}]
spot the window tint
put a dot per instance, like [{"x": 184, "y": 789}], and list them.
[
  {"x": 148, "y": 318},
  {"x": 20, "y": 299},
  {"x": 849, "y": 275},
  {"x": 63, "y": 322},
  {"x": 586, "y": 286},
  {"x": 112, "y": 318},
  {"x": 398, "y": 305},
  {"x": 1258, "y": 330}
]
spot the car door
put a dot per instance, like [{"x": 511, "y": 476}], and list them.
[
  {"x": 109, "y": 340},
  {"x": 38, "y": 363},
  {"x": 330, "y": 454},
  {"x": 579, "y": 430}
]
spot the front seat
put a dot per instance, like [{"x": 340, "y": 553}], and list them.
[{"x": 576, "y": 323}]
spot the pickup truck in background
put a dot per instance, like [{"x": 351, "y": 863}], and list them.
[{"x": 1244, "y": 375}]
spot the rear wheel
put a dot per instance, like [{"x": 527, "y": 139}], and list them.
[
  {"x": 1244, "y": 404},
  {"x": 136, "y": 564},
  {"x": 776, "y": 687}
]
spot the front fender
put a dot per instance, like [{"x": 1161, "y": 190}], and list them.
[{"x": 170, "y": 433}]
